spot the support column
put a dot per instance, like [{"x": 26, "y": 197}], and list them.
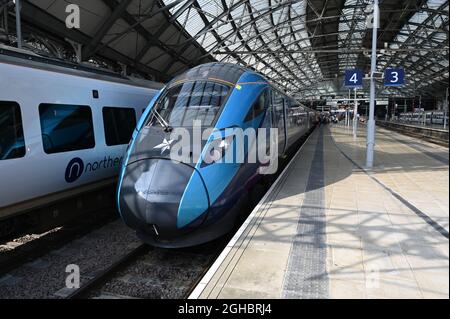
[
  {"x": 355, "y": 116},
  {"x": 445, "y": 109},
  {"x": 18, "y": 24},
  {"x": 373, "y": 68},
  {"x": 4, "y": 14}
]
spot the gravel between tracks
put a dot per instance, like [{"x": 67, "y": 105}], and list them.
[{"x": 160, "y": 274}]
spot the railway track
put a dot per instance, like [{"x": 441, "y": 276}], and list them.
[
  {"x": 107, "y": 273},
  {"x": 124, "y": 278}
]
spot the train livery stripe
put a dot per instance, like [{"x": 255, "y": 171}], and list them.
[{"x": 194, "y": 201}]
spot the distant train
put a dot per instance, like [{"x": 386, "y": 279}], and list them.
[
  {"x": 177, "y": 204},
  {"x": 61, "y": 129}
]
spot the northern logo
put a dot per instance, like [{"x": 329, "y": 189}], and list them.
[
  {"x": 74, "y": 170},
  {"x": 77, "y": 167}
]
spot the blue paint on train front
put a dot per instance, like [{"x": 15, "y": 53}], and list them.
[{"x": 194, "y": 202}]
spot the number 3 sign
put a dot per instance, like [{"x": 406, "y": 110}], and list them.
[{"x": 394, "y": 77}]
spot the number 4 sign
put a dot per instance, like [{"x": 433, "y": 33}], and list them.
[
  {"x": 394, "y": 77},
  {"x": 353, "y": 78}
]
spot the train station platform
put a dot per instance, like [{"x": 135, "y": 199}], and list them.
[
  {"x": 329, "y": 228},
  {"x": 433, "y": 133},
  {"x": 438, "y": 127}
]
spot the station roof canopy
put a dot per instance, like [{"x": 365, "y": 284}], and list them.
[
  {"x": 142, "y": 35},
  {"x": 304, "y": 46}
]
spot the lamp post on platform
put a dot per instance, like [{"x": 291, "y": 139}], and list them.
[{"x": 373, "y": 68}]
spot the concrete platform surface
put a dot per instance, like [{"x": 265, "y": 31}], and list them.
[{"x": 329, "y": 228}]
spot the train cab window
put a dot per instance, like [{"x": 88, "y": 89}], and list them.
[
  {"x": 12, "y": 144},
  {"x": 119, "y": 123},
  {"x": 66, "y": 128},
  {"x": 183, "y": 104},
  {"x": 258, "y": 108}
]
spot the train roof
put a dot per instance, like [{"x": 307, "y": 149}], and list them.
[
  {"x": 24, "y": 58},
  {"x": 226, "y": 72}
]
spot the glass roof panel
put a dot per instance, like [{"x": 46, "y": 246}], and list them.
[{"x": 287, "y": 40}]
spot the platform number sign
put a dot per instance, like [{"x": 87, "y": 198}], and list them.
[
  {"x": 394, "y": 77},
  {"x": 353, "y": 78}
]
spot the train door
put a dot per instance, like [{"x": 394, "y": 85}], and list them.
[{"x": 279, "y": 120}]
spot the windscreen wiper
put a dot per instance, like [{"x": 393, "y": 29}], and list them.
[{"x": 162, "y": 121}]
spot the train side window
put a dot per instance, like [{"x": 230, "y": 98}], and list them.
[
  {"x": 279, "y": 110},
  {"x": 119, "y": 123},
  {"x": 66, "y": 128},
  {"x": 12, "y": 143},
  {"x": 258, "y": 108},
  {"x": 272, "y": 108}
]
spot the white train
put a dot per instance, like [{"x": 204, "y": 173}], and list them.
[{"x": 62, "y": 130}]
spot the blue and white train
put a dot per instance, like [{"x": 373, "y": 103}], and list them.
[
  {"x": 63, "y": 131},
  {"x": 184, "y": 203}
]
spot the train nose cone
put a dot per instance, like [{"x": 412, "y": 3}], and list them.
[{"x": 163, "y": 193}]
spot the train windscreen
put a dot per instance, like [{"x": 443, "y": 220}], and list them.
[{"x": 191, "y": 101}]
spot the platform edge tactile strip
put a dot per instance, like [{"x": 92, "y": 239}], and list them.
[{"x": 306, "y": 275}]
